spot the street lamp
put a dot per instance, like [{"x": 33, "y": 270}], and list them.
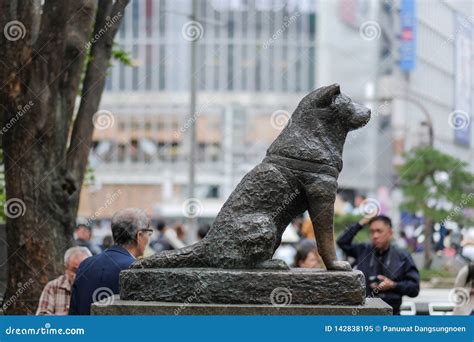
[{"x": 428, "y": 121}]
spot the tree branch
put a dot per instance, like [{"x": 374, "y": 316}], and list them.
[
  {"x": 108, "y": 19},
  {"x": 17, "y": 20},
  {"x": 78, "y": 32},
  {"x": 53, "y": 25}
]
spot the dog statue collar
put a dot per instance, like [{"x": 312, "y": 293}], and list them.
[{"x": 301, "y": 165}]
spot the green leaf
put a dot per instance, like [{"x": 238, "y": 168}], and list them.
[
  {"x": 121, "y": 55},
  {"x": 436, "y": 184}
]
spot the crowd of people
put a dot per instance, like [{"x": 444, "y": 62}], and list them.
[{"x": 389, "y": 270}]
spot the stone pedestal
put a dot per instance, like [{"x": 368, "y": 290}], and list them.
[
  {"x": 211, "y": 291},
  {"x": 116, "y": 306},
  {"x": 224, "y": 286}
]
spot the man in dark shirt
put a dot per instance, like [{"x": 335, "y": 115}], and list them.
[
  {"x": 390, "y": 273},
  {"x": 83, "y": 236},
  {"x": 98, "y": 277}
]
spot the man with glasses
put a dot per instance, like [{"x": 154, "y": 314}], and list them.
[
  {"x": 390, "y": 272},
  {"x": 98, "y": 276}
]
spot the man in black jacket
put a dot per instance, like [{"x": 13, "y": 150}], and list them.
[
  {"x": 97, "y": 277},
  {"x": 390, "y": 272}
]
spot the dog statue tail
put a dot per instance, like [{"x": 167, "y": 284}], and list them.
[{"x": 190, "y": 256}]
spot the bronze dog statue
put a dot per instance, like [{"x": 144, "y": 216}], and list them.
[{"x": 299, "y": 173}]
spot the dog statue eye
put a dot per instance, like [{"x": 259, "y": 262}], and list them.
[{"x": 342, "y": 101}]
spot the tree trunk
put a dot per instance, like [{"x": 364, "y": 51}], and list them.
[
  {"x": 45, "y": 161},
  {"x": 428, "y": 245},
  {"x": 39, "y": 226}
]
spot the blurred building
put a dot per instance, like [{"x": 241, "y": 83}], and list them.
[{"x": 256, "y": 60}]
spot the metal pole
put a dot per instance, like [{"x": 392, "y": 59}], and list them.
[
  {"x": 192, "y": 221},
  {"x": 428, "y": 122},
  {"x": 427, "y": 115}
]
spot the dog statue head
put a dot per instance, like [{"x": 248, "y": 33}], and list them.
[
  {"x": 333, "y": 108},
  {"x": 318, "y": 127}
]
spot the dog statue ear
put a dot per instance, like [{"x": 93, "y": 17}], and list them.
[{"x": 327, "y": 94}]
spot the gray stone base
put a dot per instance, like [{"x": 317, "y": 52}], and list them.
[
  {"x": 225, "y": 286},
  {"x": 116, "y": 306}
]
